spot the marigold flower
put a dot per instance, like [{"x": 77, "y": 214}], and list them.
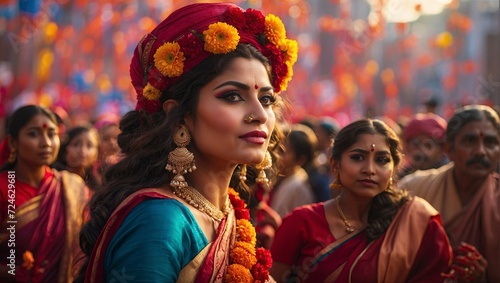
[
  {"x": 238, "y": 274},
  {"x": 275, "y": 29},
  {"x": 242, "y": 213},
  {"x": 264, "y": 257},
  {"x": 260, "y": 272},
  {"x": 235, "y": 17},
  {"x": 243, "y": 253},
  {"x": 169, "y": 59},
  {"x": 255, "y": 21},
  {"x": 290, "y": 48},
  {"x": 28, "y": 260},
  {"x": 151, "y": 93},
  {"x": 221, "y": 38},
  {"x": 245, "y": 231},
  {"x": 191, "y": 45}
]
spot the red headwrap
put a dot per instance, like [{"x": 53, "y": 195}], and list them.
[
  {"x": 182, "y": 41},
  {"x": 428, "y": 124}
]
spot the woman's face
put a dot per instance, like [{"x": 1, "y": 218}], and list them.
[
  {"x": 367, "y": 166},
  {"x": 219, "y": 130},
  {"x": 38, "y": 142},
  {"x": 82, "y": 150},
  {"x": 108, "y": 144}
]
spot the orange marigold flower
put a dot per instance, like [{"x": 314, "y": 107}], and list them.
[
  {"x": 169, "y": 59},
  {"x": 28, "y": 260},
  {"x": 221, "y": 38},
  {"x": 238, "y": 274},
  {"x": 275, "y": 29},
  {"x": 246, "y": 231},
  {"x": 243, "y": 253},
  {"x": 290, "y": 48},
  {"x": 151, "y": 93}
]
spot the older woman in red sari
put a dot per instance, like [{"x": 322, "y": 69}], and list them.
[
  {"x": 372, "y": 232},
  {"x": 41, "y": 207}
]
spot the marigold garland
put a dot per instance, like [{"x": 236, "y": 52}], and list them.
[{"x": 246, "y": 263}]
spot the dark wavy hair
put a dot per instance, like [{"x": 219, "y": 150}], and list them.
[
  {"x": 19, "y": 118},
  {"x": 386, "y": 204},
  {"x": 146, "y": 140}
]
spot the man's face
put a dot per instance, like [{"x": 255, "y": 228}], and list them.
[
  {"x": 475, "y": 150},
  {"x": 424, "y": 152}
]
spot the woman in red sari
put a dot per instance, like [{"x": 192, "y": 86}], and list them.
[
  {"x": 41, "y": 207},
  {"x": 371, "y": 232}
]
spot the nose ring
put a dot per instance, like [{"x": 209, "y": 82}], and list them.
[{"x": 249, "y": 119}]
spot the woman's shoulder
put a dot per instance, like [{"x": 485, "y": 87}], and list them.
[
  {"x": 418, "y": 205},
  {"x": 308, "y": 211}
]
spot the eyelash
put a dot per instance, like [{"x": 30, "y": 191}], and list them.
[{"x": 228, "y": 95}]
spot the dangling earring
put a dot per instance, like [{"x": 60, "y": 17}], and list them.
[
  {"x": 390, "y": 184},
  {"x": 336, "y": 185},
  {"x": 243, "y": 173},
  {"x": 265, "y": 164},
  {"x": 12, "y": 156},
  {"x": 180, "y": 160}
]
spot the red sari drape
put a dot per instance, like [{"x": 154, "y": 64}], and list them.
[{"x": 48, "y": 220}]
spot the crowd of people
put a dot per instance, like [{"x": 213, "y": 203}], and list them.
[{"x": 206, "y": 182}]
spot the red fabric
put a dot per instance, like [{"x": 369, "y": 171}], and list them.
[
  {"x": 4, "y": 151},
  {"x": 428, "y": 124},
  {"x": 306, "y": 231},
  {"x": 44, "y": 235}
]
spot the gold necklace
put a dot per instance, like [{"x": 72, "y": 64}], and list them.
[
  {"x": 348, "y": 227},
  {"x": 198, "y": 201}
]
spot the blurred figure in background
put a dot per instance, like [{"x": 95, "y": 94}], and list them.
[
  {"x": 292, "y": 188},
  {"x": 466, "y": 193},
  {"x": 107, "y": 126},
  {"x": 48, "y": 203},
  {"x": 319, "y": 170},
  {"x": 78, "y": 153},
  {"x": 424, "y": 137}
]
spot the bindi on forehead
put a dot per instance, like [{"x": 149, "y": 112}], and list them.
[{"x": 256, "y": 86}]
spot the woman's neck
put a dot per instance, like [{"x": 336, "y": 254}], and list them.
[
  {"x": 29, "y": 175},
  {"x": 212, "y": 182}
]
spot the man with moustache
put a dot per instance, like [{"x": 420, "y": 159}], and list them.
[{"x": 466, "y": 192}]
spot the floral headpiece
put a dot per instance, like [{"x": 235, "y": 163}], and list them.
[{"x": 194, "y": 32}]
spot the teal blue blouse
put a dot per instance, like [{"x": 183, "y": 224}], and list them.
[{"x": 155, "y": 241}]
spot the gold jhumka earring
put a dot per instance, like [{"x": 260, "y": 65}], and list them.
[
  {"x": 180, "y": 160},
  {"x": 336, "y": 185},
  {"x": 12, "y": 156},
  {"x": 264, "y": 165},
  {"x": 243, "y": 174}
]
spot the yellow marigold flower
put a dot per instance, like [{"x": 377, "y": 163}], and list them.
[
  {"x": 287, "y": 78},
  {"x": 290, "y": 48},
  {"x": 246, "y": 231},
  {"x": 238, "y": 274},
  {"x": 275, "y": 29},
  {"x": 151, "y": 93},
  {"x": 243, "y": 253},
  {"x": 169, "y": 59},
  {"x": 221, "y": 38},
  {"x": 28, "y": 260}
]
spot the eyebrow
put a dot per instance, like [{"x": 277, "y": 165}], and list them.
[
  {"x": 366, "y": 151},
  {"x": 38, "y": 128},
  {"x": 242, "y": 86}
]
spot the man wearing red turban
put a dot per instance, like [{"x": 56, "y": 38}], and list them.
[{"x": 424, "y": 137}]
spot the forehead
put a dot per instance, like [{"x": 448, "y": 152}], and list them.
[
  {"x": 367, "y": 141},
  {"x": 40, "y": 121},
  {"x": 479, "y": 128}
]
